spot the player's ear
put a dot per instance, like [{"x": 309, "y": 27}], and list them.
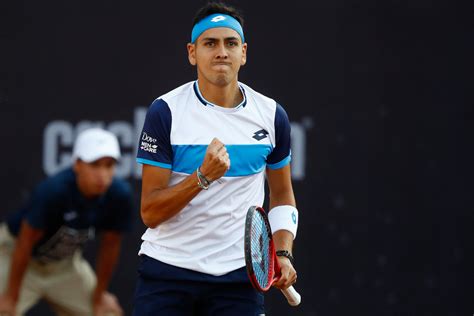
[
  {"x": 76, "y": 165},
  {"x": 244, "y": 54},
  {"x": 192, "y": 53}
]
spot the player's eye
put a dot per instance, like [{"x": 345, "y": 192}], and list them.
[
  {"x": 110, "y": 164},
  {"x": 95, "y": 164},
  {"x": 233, "y": 43}
]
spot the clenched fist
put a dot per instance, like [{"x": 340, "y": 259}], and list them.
[{"x": 216, "y": 161}]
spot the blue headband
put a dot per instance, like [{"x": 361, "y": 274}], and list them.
[{"x": 216, "y": 20}]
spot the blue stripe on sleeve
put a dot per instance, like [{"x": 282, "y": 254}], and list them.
[
  {"x": 153, "y": 163},
  {"x": 280, "y": 164}
]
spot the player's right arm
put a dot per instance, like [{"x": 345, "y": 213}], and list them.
[
  {"x": 160, "y": 202},
  {"x": 27, "y": 238}
]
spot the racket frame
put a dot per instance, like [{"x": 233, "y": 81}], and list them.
[
  {"x": 293, "y": 297},
  {"x": 273, "y": 265}
]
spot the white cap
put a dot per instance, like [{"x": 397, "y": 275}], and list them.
[{"x": 95, "y": 143}]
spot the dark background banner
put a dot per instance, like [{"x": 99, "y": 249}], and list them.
[{"x": 380, "y": 99}]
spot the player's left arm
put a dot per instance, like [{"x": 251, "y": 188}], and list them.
[
  {"x": 281, "y": 193},
  {"x": 107, "y": 257}
]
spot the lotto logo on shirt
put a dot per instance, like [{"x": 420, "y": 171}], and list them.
[{"x": 148, "y": 147}]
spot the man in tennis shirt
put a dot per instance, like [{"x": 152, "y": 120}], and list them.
[
  {"x": 206, "y": 148},
  {"x": 40, "y": 245}
]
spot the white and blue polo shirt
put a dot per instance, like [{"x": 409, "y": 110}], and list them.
[{"x": 208, "y": 234}]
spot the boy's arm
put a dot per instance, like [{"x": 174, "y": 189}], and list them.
[
  {"x": 26, "y": 240},
  {"x": 107, "y": 258}
]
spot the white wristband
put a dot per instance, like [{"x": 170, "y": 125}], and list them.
[{"x": 284, "y": 217}]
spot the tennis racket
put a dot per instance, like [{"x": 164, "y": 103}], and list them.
[{"x": 260, "y": 258}]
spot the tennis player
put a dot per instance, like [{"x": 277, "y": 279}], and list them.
[
  {"x": 206, "y": 148},
  {"x": 40, "y": 245}
]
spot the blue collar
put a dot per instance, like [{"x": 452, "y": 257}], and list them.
[{"x": 207, "y": 103}]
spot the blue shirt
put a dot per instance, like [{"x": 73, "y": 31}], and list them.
[{"x": 68, "y": 219}]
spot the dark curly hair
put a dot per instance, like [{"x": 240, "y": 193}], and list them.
[{"x": 218, "y": 7}]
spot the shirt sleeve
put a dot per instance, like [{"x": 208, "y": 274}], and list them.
[
  {"x": 42, "y": 204},
  {"x": 154, "y": 146},
  {"x": 281, "y": 153},
  {"x": 119, "y": 209}
]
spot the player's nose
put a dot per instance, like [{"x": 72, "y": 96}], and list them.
[
  {"x": 104, "y": 175},
  {"x": 221, "y": 51}
]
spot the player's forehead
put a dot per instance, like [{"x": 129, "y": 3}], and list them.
[{"x": 219, "y": 33}]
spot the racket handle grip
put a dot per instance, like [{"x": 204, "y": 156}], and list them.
[{"x": 293, "y": 297}]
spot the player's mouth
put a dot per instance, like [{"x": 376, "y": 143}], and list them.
[
  {"x": 101, "y": 187},
  {"x": 221, "y": 64}
]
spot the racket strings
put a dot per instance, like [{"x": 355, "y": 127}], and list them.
[{"x": 260, "y": 250}]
